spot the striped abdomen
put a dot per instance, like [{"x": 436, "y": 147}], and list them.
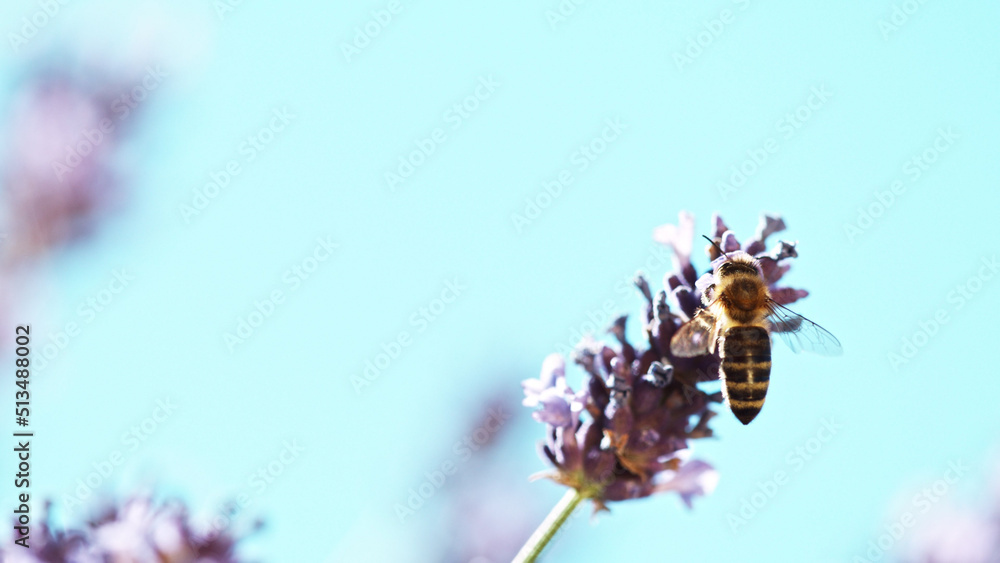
[{"x": 745, "y": 370}]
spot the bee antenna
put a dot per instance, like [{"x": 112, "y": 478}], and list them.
[{"x": 717, "y": 247}]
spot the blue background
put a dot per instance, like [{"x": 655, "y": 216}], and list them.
[{"x": 687, "y": 125}]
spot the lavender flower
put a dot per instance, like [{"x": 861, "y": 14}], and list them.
[
  {"x": 951, "y": 531},
  {"x": 953, "y": 535},
  {"x": 138, "y": 530},
  {"x": 487, "y": 513},
  {"x": 626, "y": 433},
  {"x": 63, "y": 146}
]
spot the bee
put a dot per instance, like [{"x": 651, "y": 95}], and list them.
[{"x": 740, "y": 319}]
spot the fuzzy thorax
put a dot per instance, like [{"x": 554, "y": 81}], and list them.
[{"x": 742, "y": 295}]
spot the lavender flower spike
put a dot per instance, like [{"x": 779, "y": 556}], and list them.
[
  {"x": 137, "y": 529},
  {"x": 628, "y": 434},
  {"x": 551, "y": 393}
]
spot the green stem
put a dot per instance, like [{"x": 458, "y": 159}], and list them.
[{"x": 548, "y": 528}]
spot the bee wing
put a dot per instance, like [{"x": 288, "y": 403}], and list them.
[
  {"x": 695, "y": 337},
  {"x": 799, "y": 333}
]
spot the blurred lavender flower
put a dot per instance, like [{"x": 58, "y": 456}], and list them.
[
  {"x": 137, "y": 531},
  {"x": 488, "y": 510},
  {"x": 957, "y": 536},
  {"x": 61, "y": 153},
  {"x": 954, "y": 533},
  {"x": 62, "y": 148},
  {"x": 641, "y": 402}
]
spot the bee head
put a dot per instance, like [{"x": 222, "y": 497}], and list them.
[
  {"x": 735, "y": 265},
  {"x": 734, "y": 262}
]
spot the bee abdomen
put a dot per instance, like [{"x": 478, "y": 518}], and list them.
[{"x": 746, "y": 370}]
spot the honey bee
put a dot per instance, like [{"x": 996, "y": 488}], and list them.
[{"x": 740, "y": 318}]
